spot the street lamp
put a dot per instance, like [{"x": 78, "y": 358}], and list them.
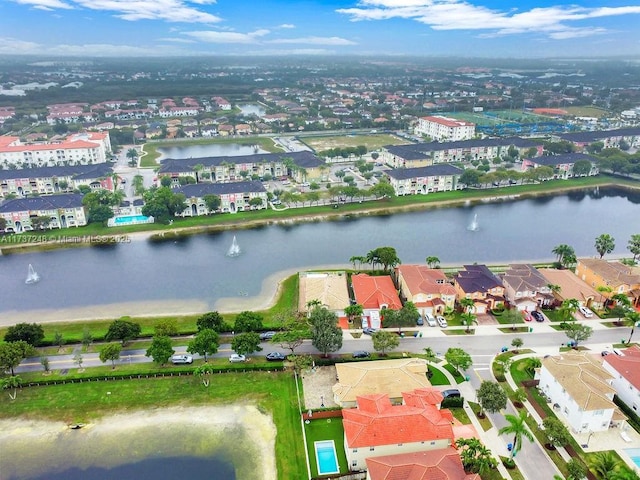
[{"x": 322, "y": 401}]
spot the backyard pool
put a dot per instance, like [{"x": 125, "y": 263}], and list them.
[
  {"x": 634, "y": 454},
  {"x": 129, "y": 220},
  {"x": 326, "y": 457}
]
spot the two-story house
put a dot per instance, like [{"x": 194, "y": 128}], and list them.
[
  {"x": 423, "y": 180},
  {"x": 441, "y": 464},
  {"x": 374, "y": 293},
  {"x": 526, "y": 288},
  {"x": 625, "y": 370},
  {"x": 481, "y": 285},
  {"x": 377, "y": 428},
  {"x": 614, "y": 276},
  {"x": 428, "y": 288},
  {"x": 572, "y": 287}
]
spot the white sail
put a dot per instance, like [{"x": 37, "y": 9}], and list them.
[{"x": 32, "y": 276}]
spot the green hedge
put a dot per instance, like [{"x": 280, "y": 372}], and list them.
[{"x": 632, "y": 417}]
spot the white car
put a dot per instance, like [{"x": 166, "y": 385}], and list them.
[
  {"x": 237, "y": 358},
  {"x": 181, "y": 359},
  {"x": 430, "y": 320},
  {"x": 585, "y": 311},
  {"x": 441, "y": 321}
]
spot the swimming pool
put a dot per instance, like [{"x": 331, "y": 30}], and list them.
[
  {"x": 634, "y": 454},
  {"x": 326, "y": 457},
  {"x": 129, "y": 220}
]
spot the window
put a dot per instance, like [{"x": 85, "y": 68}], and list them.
[
  {"x": 433, "y": 442},
  {"x": 371, "y": 449},
  {"x": 354, "y": 463},
  {"x": 599, "y": 412},
  {"x": 355, "y": 450}
]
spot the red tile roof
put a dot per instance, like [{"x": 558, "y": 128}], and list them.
[
  {"x": 373, "y": 292},
  {"x": 376, "y": 422},
  {"x": 628, "y": 365},
  {"x": 441, "y": 464},
  {"x": 448, "y": 122},
  {"x": 422, "y": 279}
]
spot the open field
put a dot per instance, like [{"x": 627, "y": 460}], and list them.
[
  {"x": 372, "y": 142},
  {"x": 586, "y": 111}
]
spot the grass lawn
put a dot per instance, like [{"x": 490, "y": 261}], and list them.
[
  {"x": 273, "y": 393},
  {"x": 326, "y": 429},
  {"x": 460, "y": 414},
  {"x": 372, "y": 142},
  {"x": 457, "y": 375},
  {"x": 458, "y": 331},
  {"x": 586, "y": 111},
  {"x": 516, "y": 330},
  {"x": 553, "y": 315},
  {"x": 484, "y": 422},
  {"x": 437, "y": 377}
]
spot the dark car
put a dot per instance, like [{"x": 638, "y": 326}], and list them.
[
  {"x": 452, "y": 392},
  {"x": 267, "y": 335},
  {"x": 369, "y": 331},
  {"x": 361, "y": 354},
  {"x": 420, "y": 321},
  {"x": 275, "y": 357},
  {"x": 537, "y": 316}
]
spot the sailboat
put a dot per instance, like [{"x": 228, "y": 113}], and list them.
[{"x": 32, "y": 276}]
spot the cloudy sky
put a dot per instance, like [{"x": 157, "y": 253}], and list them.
[{"x": 488, "y": 28}]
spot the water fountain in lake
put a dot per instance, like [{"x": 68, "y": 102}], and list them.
[
  {"x": 32, "y": 276},
  {"x": 473, "y": 226},
  {"x": 234, "y": 249}
]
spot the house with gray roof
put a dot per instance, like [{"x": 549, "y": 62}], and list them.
[
  {"x": 481, "y": 285},
  {"x": 424, "y": 180},
  {"x": 525, "y": 287},
  {"x": 234, "y": 197},
  {"x": 65, "y": 210},
  {"x": 609, "y": 138}
]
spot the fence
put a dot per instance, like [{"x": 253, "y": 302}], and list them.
[{"x": 344, "y": 476}]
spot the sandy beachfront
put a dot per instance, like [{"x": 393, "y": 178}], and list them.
[{"x": 31, "y": 447}]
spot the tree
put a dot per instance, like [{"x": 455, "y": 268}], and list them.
[
  {"x": 519, "y": 397},
  {"x": 470, "y": 177},
  {"x": 326, "y": 336},
  {"x": 634, "y": 246},
  {"x": 353, "y": 311},
  {"x": 248, "y": 322},
  {"x": 518, "y": 427},
  {"x": 292, "y": 335},
  {"x": 632, "y": 319},
  {"x": 556, "y": 433},
  {"x": 212, "y": 320},
  {"x": 582, "y": 168},
  {"x": 604, "y": 464},
  {"x": 246, "y": 343},
  {"x": 163, "y": 204},
  {"x": 605, "y": 243},
  {"x": 405, "y": 317},
  {"x": 44, "y": 361},
  {"x": 12, "y": 382},
  {"x": 430, "y": 355},
  {"x": 385, "y": 256},
  {"x": 578, "y": 333},
  {"x": 476, "y": 458},
  {"x": 382, "y": 189},
  {"x": 122, "y": 330},
  {"x": 384, "y": 340},
  {"x": 433, "y": 262},
  {"x": 467, "y": 320},
  {"x": 204, "y": 372},
  {"x": 138, "y": 185},
  {"x": 58, "y": 339},
  {"x": 111, "y": 351},
  {"x": 576, "y": 469},
  {"x": 568, "y": 308},
  {"x": 32, "y": 333},
  {"x": 624, "y": 473},
  {"x": 206, "y": 342},
  {"x": 87, "y": 338},
  {"x": 100, "y": 214},
  {"x": 160, "y": 350},
  {"x": 12, "y": 353},
  {"x": 467, "y": 304},
  {"x": 563, "y": 251},
  {"x": 516, "y": 343},
  {"x": 491, "y": 397},
  {"x": 458, "y": 359},
  {"x": 212, "y": 202},
  {"x": 132, "y": 155},
  {"x": 167, "y": 327},
  {"x": 512, "y": 316},
  {"x": 78, "y": 360},
  {"x": 300, "y": 362}
]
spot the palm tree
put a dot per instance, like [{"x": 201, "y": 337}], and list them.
[
  {"x": 468, "y": 319},
  {"x": 132, "y": 155},
  {"x": 624, "y": 473},
  {"x": 631, "y": 319},
  {"x": 518, "y": 427},
  {"x": 562, "y": 251},
  {"x": 432, "y": 262},
  {"x": 14, "y": 381},
  {"x": 467, "y": 304},
  {"x": 605, "y": 243},
  {"x": 604, "y": 465},
  {"x": 430, "y": 355},
  {"x": 568, "y": 308},
  {"x": 204, "y": 372}
]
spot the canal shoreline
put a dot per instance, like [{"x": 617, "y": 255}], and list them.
[{"x": 22, "y": 244}]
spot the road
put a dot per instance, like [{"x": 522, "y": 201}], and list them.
[{"x": 482, "y": 346}]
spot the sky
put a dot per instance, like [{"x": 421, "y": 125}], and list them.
[{"x": 470, "y": 28}]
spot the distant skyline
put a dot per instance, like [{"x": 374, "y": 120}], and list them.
[{"x": 471, "y": 28}]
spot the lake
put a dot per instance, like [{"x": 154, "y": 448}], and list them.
[
  {"x": 209, "y": 150},
  {"x": 197, "y": 268}
]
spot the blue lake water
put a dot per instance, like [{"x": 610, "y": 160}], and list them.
[{"x": 210, "y": 150}]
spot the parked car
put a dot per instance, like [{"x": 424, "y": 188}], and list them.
[
  {"x": 537, "y": 316},
  {"x": 430, "y": 320},
  {"x": 419, "y": 321},
  {"x": 369, "y": 330},
  {"x": 585, "y": 311},
  {"x": 275, "y": 357},
  {"x": 237, "y": 358},
  {"x": 452, "y": 392},
  {"x": 181, "y": 359},
  {"x": 266, "y": 335},
  {"x": 361, "y": 354},
  {"x": 441, "y": 321}
]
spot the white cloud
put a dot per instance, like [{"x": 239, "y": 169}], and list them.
[
  {"x": 227, "y": 37},
  {"x": 463, "y": 15},
  {"x": 286, "y": 25},
  {"x": 45, "y": 4},
  {"x": 315, "y": 41},
  {"x": 15, "y": 46},
  {"x": 176, "y": 40}
]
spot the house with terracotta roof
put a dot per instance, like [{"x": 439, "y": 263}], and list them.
[
  {"x": 328, "y": 288},
  {"x": 428, "y": 288},
  {"x": 581, "y": 391},
  {"x": 374, "y": 293},
  {"x": 441, "y": 464},
  {"x": 391, "y": 377},
  {"x": 481, "y": 285},
  {"x": 526, "y": 288},
  {"x": 378, "y": 428},
  {"x": 625, "y": 370},
  {"x": 571, "y": 286},
  {"x": 617, "y": 276}
]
